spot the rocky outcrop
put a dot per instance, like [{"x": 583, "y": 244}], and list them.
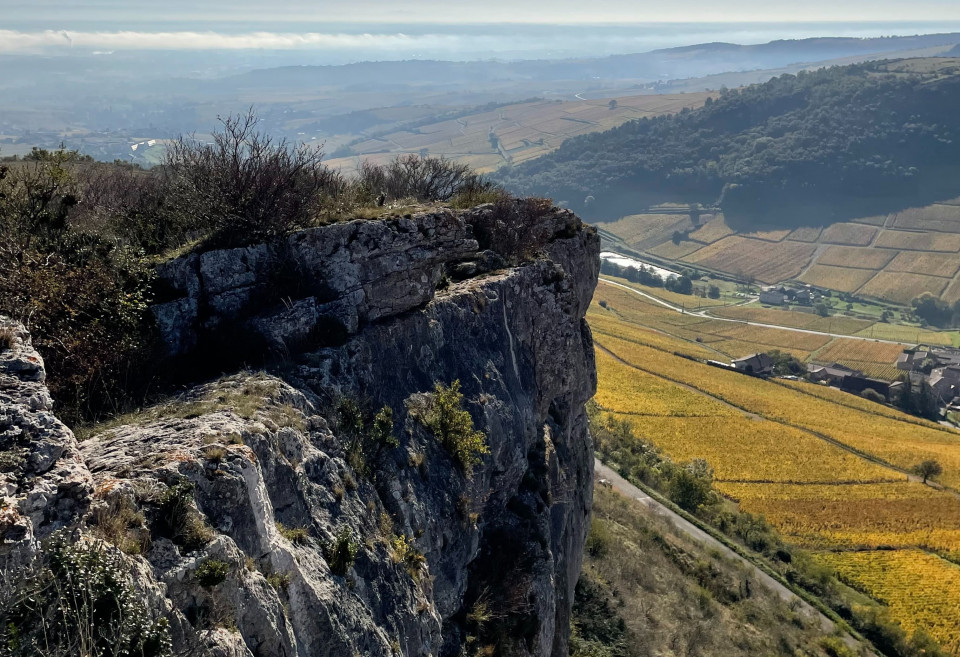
[
  {"x": 269, "y": 478},
  {"x": 44, "y": 485}
]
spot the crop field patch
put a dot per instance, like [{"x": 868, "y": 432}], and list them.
[
  {"x": 841, "y": 349},
  {"x": 627, "y": 390},
  {"x": 877, "y": 220},
  {"x": 712, "y": 231},
  {"x": 907, "y": 334},
  {"x": 673, "y": 251},
  {"x": 743, "y": 448},
  {"x": 952, "y": 293},
  {"x": 768, "y": 235},
  {"x": 921, "y": 589},
  {"x": 908, "y": 241},
  {"x": 856, "y": 256},
  {"x": 844, "y": 279},
  {"x": 769, "y": 336},
  {"x": 901, "y": 443},
  {"x": 932, "y": 264},
  {"x": 901, "y": 515},
  {"x": 937, "y": 218},
  {"x": 806, "y": 234},
  {"x": 849, "y": 234},
  {"x": 739, "y": 256},
  {"x": 902, "y": 288},
  {"x": 645, "y": 230}
]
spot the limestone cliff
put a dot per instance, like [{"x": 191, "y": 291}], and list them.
[{"x": 362, "y": 316}]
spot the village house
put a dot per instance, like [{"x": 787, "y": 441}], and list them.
[{"x": 755, "y": 364}]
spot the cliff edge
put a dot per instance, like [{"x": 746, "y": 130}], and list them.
[{"x": 317, "y": 498}]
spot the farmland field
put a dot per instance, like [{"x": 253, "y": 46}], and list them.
[
  {"x": 921, "y": 589},
  {"x": 844, "y": 279},
  {"x": 877, "y": 359},
  {"x": 931, "y": 264},
  {"x": 899, "y": 443},
  {"x": 856, "y": 257},
  {"x": 940, "y": 218},
  {"x": 849, "y": 234},
  {"x": 911, "y": 252},
  {"x": 909, "y": 241},
  {"x": 902, "y": 288},
  {"x": 644, "y": 230},
  {"x": 712, "y": 231},
  {"x": 524, "y": 130},
  {"x": 805, "y": 234},
  {"x": 738, "y": 255},
  {"x": 855, "y": 516}
]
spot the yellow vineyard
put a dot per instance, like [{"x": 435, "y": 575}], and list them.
[
  {"x": 827, "y": 468},
  {"x": 922, "y": 590}
]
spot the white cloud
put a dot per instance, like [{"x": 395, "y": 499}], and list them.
[{"x": 14, "y": 41}]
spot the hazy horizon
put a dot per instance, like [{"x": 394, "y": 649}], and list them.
[{"x": 337, "y": 43}]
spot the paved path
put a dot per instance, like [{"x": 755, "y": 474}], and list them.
[
  {"x": 627, "y": 489},
  {"x": 705, "y": 314}
]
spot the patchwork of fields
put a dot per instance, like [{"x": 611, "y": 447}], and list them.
[
  {"x": 893, "y": 258},
  {"x": 513, "y": 133},
  {"x": 825, "y": 467}
]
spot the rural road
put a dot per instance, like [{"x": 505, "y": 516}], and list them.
[
  {"x": 627, "y": 489},
  {"x": 706, "y": 315}
]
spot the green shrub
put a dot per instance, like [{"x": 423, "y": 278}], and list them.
[
  {"x": 445, "y": 417},
  {"x": 341, "y": 552},
  {"x": 211, "y": 572},
  {"x": 179, "y": 520},
  {"x": 76, "y": 599},
  {"x": 598, "y": 539},
  {"x": 404, "y": 551},
  {"x": 279, "y": 581},
  {"x": 296, "y": 535}
]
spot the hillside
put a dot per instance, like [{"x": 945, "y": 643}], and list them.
[
  {"x": 512, "y": 133},
  {"x": 828, "y": 470},
  {"x": 814, "y": 148}
]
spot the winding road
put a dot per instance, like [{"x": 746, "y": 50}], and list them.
[{"x": 706, "y": 315}]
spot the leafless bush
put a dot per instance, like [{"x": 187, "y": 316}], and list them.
[
  {"x": 422, "y": 178},
  {"x": 245, "y": 185}
]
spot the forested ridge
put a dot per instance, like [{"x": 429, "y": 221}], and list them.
[{"x": 840, "y": 141}]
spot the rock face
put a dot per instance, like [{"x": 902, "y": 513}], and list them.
[
  {"x": 44, "y": 485},
  {"x": 278, "y": 479}
]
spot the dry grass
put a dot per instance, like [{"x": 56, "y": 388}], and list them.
[{"x": 674, "y": 596}]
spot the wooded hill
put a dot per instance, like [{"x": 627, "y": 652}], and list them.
[{"x": 807, "y": 148}]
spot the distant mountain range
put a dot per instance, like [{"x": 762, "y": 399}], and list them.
[{"x": 658, "y": 65}]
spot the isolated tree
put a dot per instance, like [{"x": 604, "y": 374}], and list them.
[
  {"x": 927, "y": 469},
  {"x": 713, "y": 292}
]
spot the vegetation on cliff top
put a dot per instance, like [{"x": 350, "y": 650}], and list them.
[{"x": 79, "y": 239}]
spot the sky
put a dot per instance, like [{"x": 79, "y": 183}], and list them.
[
  {"x": 481, "y": 11},
  {"x": 352, "y": 30}
]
